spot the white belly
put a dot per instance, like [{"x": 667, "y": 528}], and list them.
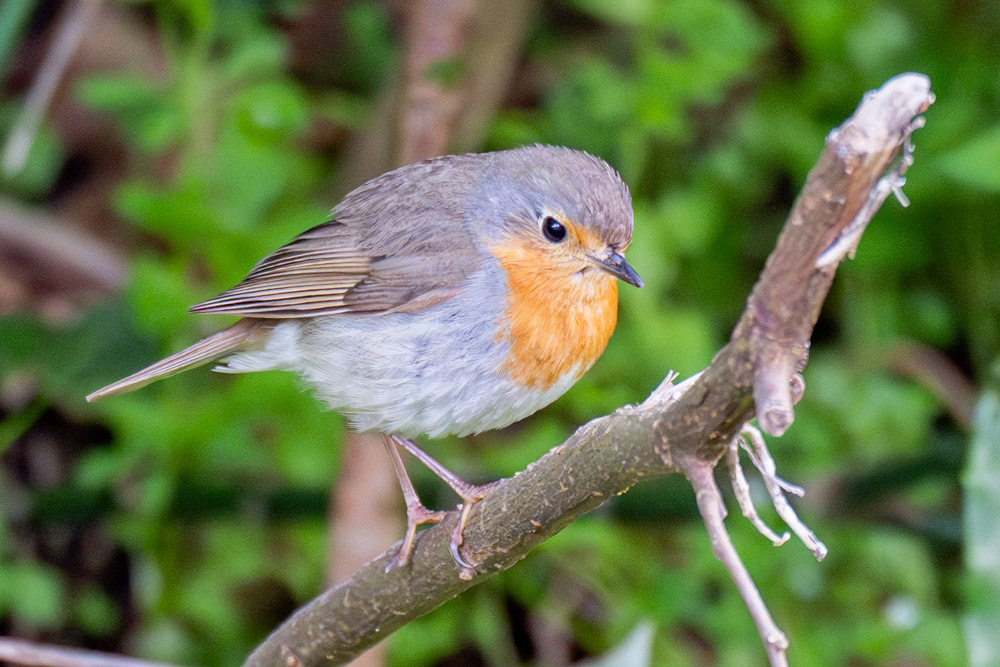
[{"x": 433, "y": 372}]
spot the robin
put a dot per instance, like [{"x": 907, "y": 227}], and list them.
[{"x": 451, "y": 296}]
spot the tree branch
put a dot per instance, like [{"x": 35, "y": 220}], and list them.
[
  {"x": 691, "y": 434},
  {"x": 21, "y": 652}
]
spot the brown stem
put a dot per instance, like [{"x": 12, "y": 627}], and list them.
[
  {"x": 933, "y": 370},
  {"x": 459, "y": 58},
  {"x": 29, "y": 653},
  {"x": 713, "y": 512}
]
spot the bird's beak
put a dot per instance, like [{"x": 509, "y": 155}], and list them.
[{"x": 616, "y": 265}]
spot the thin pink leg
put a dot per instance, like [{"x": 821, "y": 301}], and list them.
[
  {"x": 416, "y": 513},
  {"x": 469, "y": 493}
]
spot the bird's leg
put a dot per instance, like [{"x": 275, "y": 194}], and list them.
[
  {"x": 416, "y": 513},
  {"x": 469, "y": 493}
]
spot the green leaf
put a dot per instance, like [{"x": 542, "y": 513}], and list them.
[
  {"x": 140, "y": 107},
  {"x": 33, "y": 592},
  {"x": 974, "y": 162},
  {"x": 198, "y": 13},
  {"x": 14, "y": 14},
  {"x": 41, "y": 167},
  {"x": 263, "y": 55},
  {"x": 626, "y": 12},
  {"x": 95, "y": 612},
  {"x": 272, "y": 110}
]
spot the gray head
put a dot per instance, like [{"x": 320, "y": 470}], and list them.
[{"x": 563, "y": 205}]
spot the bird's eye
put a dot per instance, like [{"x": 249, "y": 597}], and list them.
[{"x": 554, "y": 230}]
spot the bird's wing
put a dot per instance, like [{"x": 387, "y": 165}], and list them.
[{"x": 336, "y": 268}]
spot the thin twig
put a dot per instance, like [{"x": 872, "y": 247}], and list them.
[
  {"x": 751, "y": 440},
  {"x": 67, "y": 39},
  {"x": 742, "y": 490},
  {"x": 932, "y": 369},
  {"x": 23, "y": 652},
  {"x": 712, "y": 513}
]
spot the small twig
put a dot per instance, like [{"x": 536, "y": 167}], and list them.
[
  {"x": 891, "y": 183},
  {"x": 742, "y": 490},
  {"x": 668, "y": 392},
  {"x": 67, "y": 39},
  {"x": 23, "y": 652},
  {"x": 752, "y": 441},
  {"x": 712, "y": 513},
  {"x": 57, "y": 248},
  {"x": 933, "y": 370}
]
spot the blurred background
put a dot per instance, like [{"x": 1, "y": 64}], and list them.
[{"x": 154, "y": 150}]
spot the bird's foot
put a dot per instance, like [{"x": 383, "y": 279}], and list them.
[
  {"x": 416, "y": 515},
  {"x": 470, "y": 495}
]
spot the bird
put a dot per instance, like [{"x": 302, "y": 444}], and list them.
[{"x": 451, "y": 296}]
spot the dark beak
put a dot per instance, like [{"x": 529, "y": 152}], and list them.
[{"x": 616, "y": 265}]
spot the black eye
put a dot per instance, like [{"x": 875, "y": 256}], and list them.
[{"x": 553, "y": 229}]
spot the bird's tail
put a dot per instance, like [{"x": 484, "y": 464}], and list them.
[{"x": 233, "y": 338}]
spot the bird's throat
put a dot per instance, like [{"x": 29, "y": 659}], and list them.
[{"x": 558, "y": 319}]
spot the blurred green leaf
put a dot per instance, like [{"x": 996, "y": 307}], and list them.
[
  {"x": 271, "y": 110},
  {"x": 372, "y": 49},
  {"x": 15, "y": 425},
  {"x": 95, "y": 613},
  {"x": 630, "y": 12},
  {"x": 198, "y": 13},
  {"x": 974, "y": 162},
  {"x": 45, "y": 158},
  {"x": 139, "y": 105},
  {"x": 981, "y": 623},
  {"x": 14, "y": 14},
  {"x": 32, "y": 591},
  {"x": 260, "y": 54},
  {"x": 634, "y": 651},
  {"x": 424, "y": 643}
]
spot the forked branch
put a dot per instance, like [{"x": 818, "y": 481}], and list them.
[{"x": 688, "y": 428}]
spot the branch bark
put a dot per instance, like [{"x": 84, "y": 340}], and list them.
[{"x": 665, "y": 434}]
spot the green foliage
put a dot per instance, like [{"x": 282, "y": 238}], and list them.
[
  {"x": 13, "y": 16},
  {"x": 970, "y": 163},
  {"x": 713, "y": 110},
  {"x": 41, "y": 166},
  {"x": 35, "y": 591}
]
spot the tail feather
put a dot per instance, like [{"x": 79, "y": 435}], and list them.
[{"x": 204, "y": 351}]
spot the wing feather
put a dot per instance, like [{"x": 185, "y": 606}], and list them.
[{"x": 336, "y": 268}]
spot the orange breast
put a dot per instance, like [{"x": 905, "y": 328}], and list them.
[{"x": 558, "y": 318}]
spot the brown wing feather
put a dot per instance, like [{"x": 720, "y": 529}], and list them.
[
  {"x": 398, "y": 242},
  {"x": 335, "y": 268},
  {"x": 308, "y": 277}
]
